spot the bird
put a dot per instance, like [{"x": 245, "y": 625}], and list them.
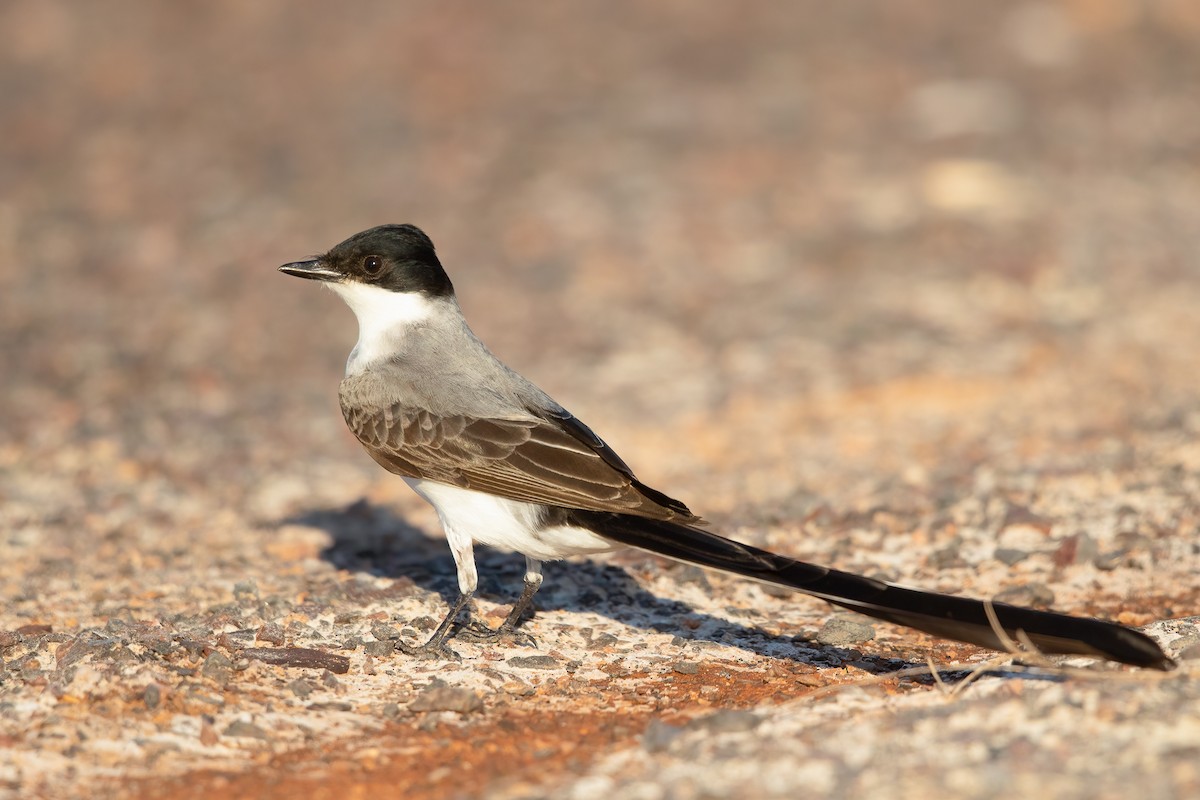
[{"x": 504, "y": 465}]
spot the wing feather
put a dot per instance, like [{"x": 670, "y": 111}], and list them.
[{"x": 547, "y": 457}]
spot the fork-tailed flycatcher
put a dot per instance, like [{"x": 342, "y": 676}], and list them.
[{"x": 505, "y": 465}]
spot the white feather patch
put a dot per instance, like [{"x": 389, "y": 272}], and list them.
[
  {"x": 507, "y": 524},
  {"x": 384, "y": 317}
]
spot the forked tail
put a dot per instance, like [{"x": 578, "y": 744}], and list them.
[{"x": 960, "y": 618}]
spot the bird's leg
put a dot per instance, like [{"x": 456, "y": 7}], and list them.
[
  {"x": 507, "y": 632},
  {"x": 468, "y": 580},
  {"x": 532, "y": 584},
  {"x": 436, "y": 646}
]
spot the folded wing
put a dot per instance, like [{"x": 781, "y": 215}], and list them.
[{"x": 547, "y": 457}]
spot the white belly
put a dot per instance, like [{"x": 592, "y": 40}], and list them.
[{"x": 507, "y": 524}]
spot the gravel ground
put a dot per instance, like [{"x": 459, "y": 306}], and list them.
[{"x": 908, "y": 288}]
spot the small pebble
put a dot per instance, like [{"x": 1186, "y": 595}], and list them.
[
  {"x": 245, "y": 730},
  {"x": 533, "y": 662},
  {"x": 601, "y": 641},
  {"x": 1031, "y": 594},
  {"x": 217, "y": 667},
  {"x": 379, "y": 649},
  {"x": 946, "y": 558},
  {"x": 272, "y": 633},
  {"x": 440, "y": 696},
  {"x": 1010, "y": 555},
  {"x": 841, "y": 631}
]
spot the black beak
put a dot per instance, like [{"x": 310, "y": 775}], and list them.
[{"x": 314, "y": 270}]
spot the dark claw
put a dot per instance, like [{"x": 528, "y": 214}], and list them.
[
  {"x": 429, "y": 651},
  {"x": 478, "y": 632}
]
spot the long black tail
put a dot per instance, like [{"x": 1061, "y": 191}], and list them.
[{"x": 943, "y": 615}]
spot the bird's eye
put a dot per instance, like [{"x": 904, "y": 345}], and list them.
[{"x": 372, "y": 264}]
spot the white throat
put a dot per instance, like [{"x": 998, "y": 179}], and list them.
[{"x": 383, "y": 320}]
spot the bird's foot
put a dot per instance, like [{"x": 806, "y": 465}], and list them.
[
  {"x": 506, "y": 634},
  {"x": 432, "y": 650}
]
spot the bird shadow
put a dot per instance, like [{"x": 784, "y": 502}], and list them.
[{"x": 371, "y": 539}]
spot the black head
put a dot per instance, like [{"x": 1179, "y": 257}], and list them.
[{"x": 398, "y": 258}]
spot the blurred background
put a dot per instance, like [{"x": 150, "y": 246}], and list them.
[
  {"x": 782, "y": 255},
  {"x": 907, "y": 287}
]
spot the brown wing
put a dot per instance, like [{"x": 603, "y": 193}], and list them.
[{"x": 553, "y": 459}]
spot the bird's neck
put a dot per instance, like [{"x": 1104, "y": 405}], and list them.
[{"x": 385, "y": 320}]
